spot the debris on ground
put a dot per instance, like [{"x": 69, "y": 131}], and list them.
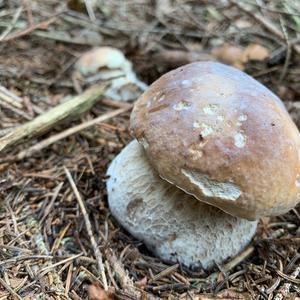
[{"x": 54, "y": 219}]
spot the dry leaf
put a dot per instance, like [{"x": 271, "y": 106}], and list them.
[
  {"x": 95, "y": 292},
  {"x": 230, "y": 54},
  {"x": 255, "y": 52},
  {"x": 15, "y": 282}
]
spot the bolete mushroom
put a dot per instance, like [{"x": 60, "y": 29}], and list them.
[
  {"x": 211, "y": 133},
  {"x": 221, "y": 136},
  {"x": 171, "y": 223}
]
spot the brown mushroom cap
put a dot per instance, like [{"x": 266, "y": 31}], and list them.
[{"x": 223, "y": 137}]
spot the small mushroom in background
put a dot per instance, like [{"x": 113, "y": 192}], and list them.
[
  {"x": 237, "y": 56},
  {"x": 213, "y": 134},
  {"x": 105, "y": 63}
]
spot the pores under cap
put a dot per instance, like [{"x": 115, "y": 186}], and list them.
[{"x": 174, "y": 225}]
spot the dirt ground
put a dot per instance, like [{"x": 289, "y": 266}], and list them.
[{"x": 53, "y": 248}]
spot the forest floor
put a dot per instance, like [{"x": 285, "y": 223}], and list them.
[{"x": 56, "y": 231}]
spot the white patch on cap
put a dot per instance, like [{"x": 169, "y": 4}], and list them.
[
  {"x": 242, "y": 118},
  {"x": 297, "y": 183},
  {"x": 196, "y": 154},
  {"x": 205, "y": 129},
  {"x": 196, "y": 124},
  {"x": 239, "y": 140},
  {"x": 220, "y": 118},
  {"x": 161, "y": 98},
  {"x": 210, "y": 109},
  {"x": 186, "y": 83},
  {"x": 182, "y": 105},
  {"x": 213, "y": 188}
]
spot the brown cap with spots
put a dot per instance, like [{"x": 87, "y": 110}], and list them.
[{"x": 220, "y": 135}]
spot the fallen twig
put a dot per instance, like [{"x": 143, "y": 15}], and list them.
[
  {"x": 44, "y": 122},
  {"x": 55, "y": 138},
  {"x": 164, "y": 273}
]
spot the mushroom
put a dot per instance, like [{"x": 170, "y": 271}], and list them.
[
  {"x": 211, "y": 133},
  {"x": 171, "y": 223},
  {"x": 104, "y": 63},
  {"x": 221, "y": 136}
]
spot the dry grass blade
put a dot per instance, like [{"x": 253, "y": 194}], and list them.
[
  {"x": 88, "y": 225},
  {"x": 290, "y": 278},
  {"x": 164, "y": 273},
  {"x": 15, "y": 110},
  {"x": 10, "y": 98},
  {"x": 266, "y": 23},
  {"x": 45, "y": 270},
  {"x": 233, "y": 262},
  {"x": 13, "y": 22},
  {"x": 285, "y": 290},
  {"x": 20, "y": 258},
  {"x": 26, "y": 31}
]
